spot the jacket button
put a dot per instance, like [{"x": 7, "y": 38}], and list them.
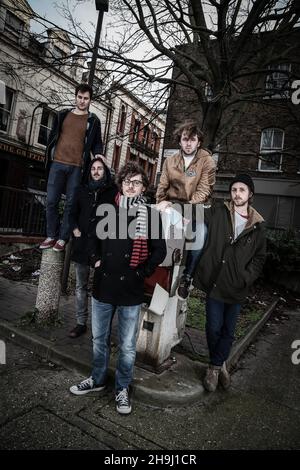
[
  {"x": 122, "y": 278},
  {"x": 215, "y": 285},
  {"x": 223, "y": 261},
  {"x": 126, "y": 255}
]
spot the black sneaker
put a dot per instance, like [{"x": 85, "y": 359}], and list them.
[
  {"x": 77, "y": 331},
  {"x": 123, "y": 402},
  {"x": 86, "y": 386},
  {"x": 183, "y": 289}
]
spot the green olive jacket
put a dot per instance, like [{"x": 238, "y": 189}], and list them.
[{"x": 228, "y": 266}]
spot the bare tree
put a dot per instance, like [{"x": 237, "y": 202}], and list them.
[{"x": 219, "y": 51}]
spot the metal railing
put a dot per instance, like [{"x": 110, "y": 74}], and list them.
[{"x": 22, "y": 212}]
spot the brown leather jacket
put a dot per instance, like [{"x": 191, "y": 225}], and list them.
[{"x": 194, "y": 185}]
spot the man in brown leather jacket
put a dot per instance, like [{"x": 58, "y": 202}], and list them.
[{"x": 188, "y": 177}]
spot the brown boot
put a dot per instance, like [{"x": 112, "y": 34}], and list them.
[
  {"x": 224, "y": 377},
  {"x": 211, "y": 378}
]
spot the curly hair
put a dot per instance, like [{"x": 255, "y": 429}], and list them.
[
  {"x": 131, "y": 169},
  {"x": 191, "y": 127}
]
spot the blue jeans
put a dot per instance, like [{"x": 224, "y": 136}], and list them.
[
  {"x": 82, "y": 272},
  {"x": 62, "y": 178},
  {"x": 195, "y": 248},
  {"x": 128, "y": 320},
  {"x": 220, "y": 325}
]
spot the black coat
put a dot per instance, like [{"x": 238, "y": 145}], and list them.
[
  {"x": 83, "y": 217},
  {"x": 228, "y": 267},
  {"x": 115, "y": 282},
  {"x": 93, "y": 141}
]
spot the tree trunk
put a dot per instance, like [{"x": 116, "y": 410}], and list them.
[{"x": 49, "y": 288}]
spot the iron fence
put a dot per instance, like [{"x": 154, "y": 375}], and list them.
[{"x": 22, "y": 212}]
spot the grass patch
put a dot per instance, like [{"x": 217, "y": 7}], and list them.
[
  {"x": 250, "y": 314},
  {"x": 196, "y": 313}
]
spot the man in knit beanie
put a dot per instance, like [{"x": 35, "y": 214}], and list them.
[{"x": 233, "y": 257}]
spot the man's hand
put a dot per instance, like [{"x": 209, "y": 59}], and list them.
[
  {"x": 76, "y": 232},
  {"x": 163, "y": 205},
  {"x": 97, "y": 264},
  {"x": 103, "y": 158}
]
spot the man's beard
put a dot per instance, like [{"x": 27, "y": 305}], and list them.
[{"x": 239, "y": 202}]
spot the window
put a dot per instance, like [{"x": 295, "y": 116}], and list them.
[
  {"x": 116, "y": 158},
  {"x": 153, "y": 140},
  {"x": 13, "y": 24},
  {"x": 46, "y": 125},
  {"x": 271, "y": 146},
  {"x": 5, "y": 110},
  {"x": 216, "y": 154},
  {"x": 208, "y": 92},
  {"x": 122, "y": 119},
  {"x": 277, "y": 82},
  {"x": 145, "y": 135},
  {"x": 136, "y": 130}
]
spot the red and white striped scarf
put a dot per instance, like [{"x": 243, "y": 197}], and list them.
[{"x": 140, "y": 251}]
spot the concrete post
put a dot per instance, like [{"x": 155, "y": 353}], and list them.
[
  {"x": 49, "y": 288},
  {"x": 162, "y": 322}
]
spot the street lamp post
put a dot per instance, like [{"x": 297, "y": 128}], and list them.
[{"x": 101, "y": 6}]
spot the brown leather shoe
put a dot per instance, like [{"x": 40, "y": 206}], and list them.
[
  {"x": 224, "y": 377},
  {"x": 211, "y": 378},
  {"x": 77, "y": 331}
]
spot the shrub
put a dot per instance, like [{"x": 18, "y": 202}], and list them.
[{"x": 283, "y": 251}]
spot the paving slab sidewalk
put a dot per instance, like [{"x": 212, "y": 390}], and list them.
[{"x": 180, "y": 383}]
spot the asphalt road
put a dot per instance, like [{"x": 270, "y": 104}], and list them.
[{"x": 261, "y": 411}]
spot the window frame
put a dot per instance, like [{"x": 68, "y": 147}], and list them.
[
  {"x": 51, "y": 114},
  {"x": 122, "y": 119},
  {"x": 9, "y": 28},
  {"x": 9, "y": 112},
  {"x": 278, "y": 92},
  {"x": 278, "y": 150}
]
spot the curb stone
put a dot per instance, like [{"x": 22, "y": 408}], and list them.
[{"x": 180, "y": 385}]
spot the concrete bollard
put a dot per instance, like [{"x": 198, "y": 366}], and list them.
[{"x": 49, "y": 288}]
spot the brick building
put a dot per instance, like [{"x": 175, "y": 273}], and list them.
[{"x": 264, "y": 142}]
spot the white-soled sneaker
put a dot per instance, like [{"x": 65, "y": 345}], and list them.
[
  {"x": 59, "y": 245},
  {"x": 123, "y": 402},
  {"x": 48, "y": 243},
  {"x": 86, "y": 386}
]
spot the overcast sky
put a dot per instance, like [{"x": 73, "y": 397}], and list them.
[{"x": 84, "y": 11}]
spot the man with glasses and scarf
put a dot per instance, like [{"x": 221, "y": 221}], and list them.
[{"x": 122, "y": 265}]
